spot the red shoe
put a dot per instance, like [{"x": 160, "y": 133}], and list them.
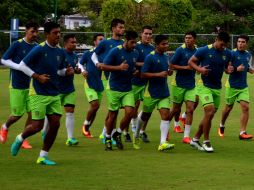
[
  {"x": 26, "y": 145},
  {"x": 182, "y": 120},
  {"x": 221, "y": 131},
  {"x": 3, "y": 135},
  {"x": 178, "y": 129},
  {"x": 87, "y": 134},
  {"x": 186, "y": 140},
  {"x": 245, "y": 136}
]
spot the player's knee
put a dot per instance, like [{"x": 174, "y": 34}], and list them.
[
  {"x": 245, "y": 108},
  {"x": 95, "y": 107}
]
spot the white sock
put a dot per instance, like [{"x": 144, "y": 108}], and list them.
[
  {"x": 43, "y": 153},
  {"x": 195, "y": 139},
  {"x": 134, "y": 122},
  {"x": 20, "y": 137},
  {"x": 205, "y": 141},
  {"x": 87, "y": 122},
  {"x": 119, "y": 130},
  {"x": 187, "y": 130},
  {"x": 242, "y": 132},
  {"x": 113, "y": 131},
  {"x": 140, "y": 113},
  {"x": 164, "y": 126},
  {"x": 108, "y": 136},
  {"x": 104, "y": 130},
  {"x": 176, "y": 123},
  {"x": 69, "y": 122},
  {"x": 45, "y": 125},
  {"x": 184, "y": 115},
  {"x": 140, "y": 124},
  {"x": 221, "y": 125},
  {"x": 4, "y": 127}
]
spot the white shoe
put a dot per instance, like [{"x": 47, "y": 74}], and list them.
[
  {"x": 197, "y": 145},
  {"x": 207, "y": 147}
]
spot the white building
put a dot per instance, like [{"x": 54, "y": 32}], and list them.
[{"x": 75, "y": 21}]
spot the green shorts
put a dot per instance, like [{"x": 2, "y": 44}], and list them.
[
  {"x": 68, "y": 99},
  {"x": 19, "y": 101},
  {"x": 44, "y": 105},
  {"x": 233, "y": 94},
  {"x": 209, "y": 96},
  {"x": 180, "y": 95},
  {"x": 117, "y": 100},
  {"x": 149, "y": 104},
  {"x": 138, "y": 92},
  {"x": 92, "y": 95}
]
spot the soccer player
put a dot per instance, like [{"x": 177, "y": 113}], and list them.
[
  {"x": 117, "y": 28},
  {"x": 93, "y": 85},
  {"x": 183, "y": 86},
  {"x": 144, "y": 47},
  {"x": 121, "y": 63},
  {"x": 237, "y": 87},
  {"x": 156, "y": 70},
  {"x": 211, "y": 61},
  {"x": 42, "y": 64},
  {"x": 19, "y": 82}
]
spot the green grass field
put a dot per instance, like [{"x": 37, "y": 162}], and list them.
[{"x": 88, "y": 166}]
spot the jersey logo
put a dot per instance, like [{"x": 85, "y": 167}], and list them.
[
  {"x": 45, "y": 55},
  {"x": 134, "y": 59},
  {"x": 224, "y": 57},
  {"x": 111, "y": 46},
  {"x": 206, "y": 98},
  {"x": 58, "y": 58},
  {"x": 122, "y": 57},
  {"x": 238, "y": 57},
  {"x": 24, "y": 51},
  {"x": 210, "y": 55},
  {"x": 158, "y": 61}
]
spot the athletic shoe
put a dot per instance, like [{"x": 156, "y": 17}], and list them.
[
  {"x": 182, "y": 120},
  {"x": 221, "y": 131},
  {"x": 177, "y": 129},
  {"x": 15, "y": 147},
  {"x": 144, "y": 137},
  {"x": 207, "y": 147},
  {"x": 136, "y": 143},
  {"x": 197, "y": 145},
  {"x": 113, "y": 141},
  {"x": 45, "y": 161},
  {"x": 245, "y": 136},
  {"x": 26, "y": 145},
  {"x": 108, "y": 144},
  {"x": 127, "y": 137},
  {"x": 186, "y": 140},
  {"x": 71, "y": 142},
  {"x": 166, "y": 146},
  {"x": 86, "y": 133},
  {"x": 3, "y": 135},
  {"x": 117, "y": 138}
]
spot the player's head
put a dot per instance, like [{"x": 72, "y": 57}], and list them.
[
  {"x": 97, "y": 38},
  {"x": 221, "y": 40},
  {"x": 242, "y": 42},
  {"x": 117, "y": 27},
  {"x": 32, "y": 31},
  {"x": 161, "y": 42},
  {"x": 146, "y": 34},
  {"x": 52, "y": 32},
  {"x": 70, "y": 42},
  {"x": 130, "y": 40},
  {"x": 190, "y": 38}
]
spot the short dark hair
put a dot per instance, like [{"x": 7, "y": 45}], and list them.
[
  {"x": 243, "y": 36},
  {"x": 48, "y": 26},
  {"x": 159, "y": 38},
  {"x": 146, "y": 27},
  {"x": 32, "y": 24},
  {"x": 131, "y": 35},
  {"x": 96, "y": 35},
  {"x": 223, "y": 36},
  {"x": 115, "y": 22},
  {"x": 192, "y": 33},
  {"x": 67, "y": 37}
]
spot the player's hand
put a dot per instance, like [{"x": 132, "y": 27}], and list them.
[
  {"x": 204, "y": 70},
  {"x": 136, "y": 73},
  {"x": 99, "y": 66},
  {"x": 44, "y": 78},
  {"x": 230, "y": 68},
  {"x": 85, "y": 74},
  {"x": 124, "y": 66},
  {"x": 240, "y": 68},
  {"x": 170, "y": 72},
  {"x": 77, "y": 70},
  {"x": 163, "y": 74},
  {"x": 251, "y": 70},
  {"x": 69, "y": 70},
  {"x": 188, "y": 67}
]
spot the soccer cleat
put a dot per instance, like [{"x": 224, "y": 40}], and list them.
[
  {"x": 108, "y": 144},
  {"x": 245, "y": 136},
  {"x": 45, "y": 161},
  {"x": 207, "y": 147},
  {"x": 117, "y": 138},
  {"x": 86, "y": 133},
  {"x": 26, "y": 145},
  {"x": 136, "y": 143},
  {"x": 3, "y": 135},
  {"x": 166, "y": 146},
  {"x": 177, "y": 129},
  {"x": 144, "y": 137},
  {"x": 71, "y": 142},
  {"x": 221, "y": 131},
  {"x": 127, "y": 137},
  {"x": 182, "y": 120},
  {"x": 102, "y": 138},
  {"x": 186, "y": 140},
  {"x": 197, "y": 145},
  {"x": 15, "y": 146}
]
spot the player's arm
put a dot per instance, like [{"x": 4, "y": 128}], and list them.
[
  {"x": 105, "y": 67},
  {"x": 193, "y": 63},
  {"x": 8, "y": 55},
  {"x": 178, "y": 67},
  {"x": 9, "y": 63}
]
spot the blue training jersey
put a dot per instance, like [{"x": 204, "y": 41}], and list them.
[
  {"x": 66, "y": 84},
  {"x": 143, "y": 50},
  {"x": 154, "y": 63},
  {"x": 238, "y": 79},
  {"x": 94, "y": 75},
  {"x": 103, "y": 49},
  {"x": 184, "y": 78},
  {"x": 16, "y": 52},
  {"x": 44, "y": 59},
  {"x": 121, "y": 80},
  {"x": 217, "y": 62}
]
